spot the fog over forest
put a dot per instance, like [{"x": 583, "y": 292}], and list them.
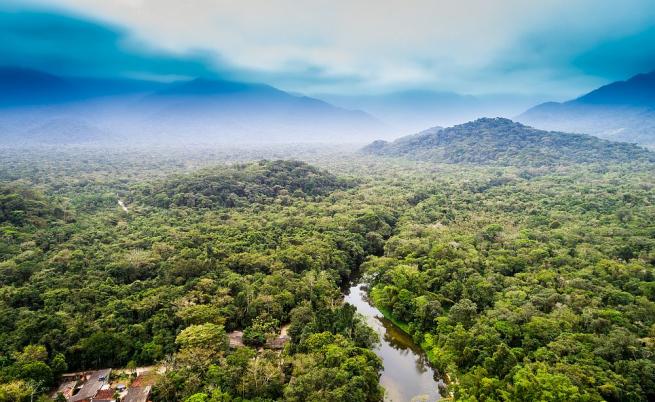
[{"x": 213, "y": 201}]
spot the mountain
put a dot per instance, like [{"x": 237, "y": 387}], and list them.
[
  {"x": 37, "y": 107},
  {"x": 499, "y": 141},
  {"x": 637, "y": 91},
  {"x": 623, "y": 111},
  {"x": 413, "y": 110},
  {"x": 207, "y": 87},
  {"x": 22, "y": 87},
  {"x": 238, "y": 112}
]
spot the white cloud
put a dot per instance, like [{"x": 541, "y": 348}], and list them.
[{"x": 304, "y": 45}]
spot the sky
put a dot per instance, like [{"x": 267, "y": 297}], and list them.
[{"x": 555, "y": 48}]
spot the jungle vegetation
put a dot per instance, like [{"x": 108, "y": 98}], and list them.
[
  {"x": 522, "y": 281},
  {"x": 503, "y": 142}
]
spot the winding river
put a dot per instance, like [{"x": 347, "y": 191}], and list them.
[{"x": 406, "y": 375}]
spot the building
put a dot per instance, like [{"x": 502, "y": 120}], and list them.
[
  {"x": 66, "y": 388},
  {"x": 236, "y": 339},
  {"x": 138, "y": 394},
  {"x": 104, "y": 395},
  {"x": 95, "y": 381}
]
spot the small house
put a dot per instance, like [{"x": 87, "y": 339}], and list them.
[
  {"x": 138, "y": 394},
  {"x": 94, "y": 381}
]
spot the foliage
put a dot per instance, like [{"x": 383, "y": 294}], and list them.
[
  {"x": 534, "y": 288},
  {"x": 242, "y": 184},
  {"x": 506, "y": 143},
  {"x": 520, "y": 282}
]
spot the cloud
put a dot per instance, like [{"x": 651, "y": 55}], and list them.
[
  {"x": 620, "y": 57},
  {"x": 366, "y": 46},
  {"x": 73, "y": 46}
]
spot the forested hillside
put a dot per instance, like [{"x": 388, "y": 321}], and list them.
[
  {"x": 108, "y": 288},
  {"x": 506, "y": 143},
  {"x": 242, "y": 185},
  {"x": 521, "y": 283}
]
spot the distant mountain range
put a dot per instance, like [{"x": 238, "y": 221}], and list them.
[
  {"x": 413, "y": 110},
  {"x": 498, "y": 141},
  {"x": 622, "y": 111},
  {"x": 41, "y": 108},
  {"x": 27, "y": 87},
  {"x": 38, "y": 107}
]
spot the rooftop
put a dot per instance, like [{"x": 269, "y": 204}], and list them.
[
  {"x": 137, "y": 394},
  {"x": 96, "y": 379}
]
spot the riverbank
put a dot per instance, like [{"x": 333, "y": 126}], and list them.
[
  {"x": 425, "y": 346},
  {"x": 407, "y": 374},
  {"x": 402, "y": 325}
]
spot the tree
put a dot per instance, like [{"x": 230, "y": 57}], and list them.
[
  {"x": 105, "y": 349},
  {"x": 463, "y": 312},
  {"x": 15, "y": 391},
  {"x": 37, "y": 373},
  {"x": 201, "y": 345},
  {"x": 259, "y": 331},
  {"x": 199, "y": 397},
  {"x": 131, "y": 365},
  {"x": 536, "y": 383},
  {"x": 206, "y": 336},
  {"x": 58, "y": 364}
]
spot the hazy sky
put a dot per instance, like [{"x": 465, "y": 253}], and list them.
[{"x": 559, "y": 48}]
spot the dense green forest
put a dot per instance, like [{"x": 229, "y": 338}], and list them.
[
  {"x": 499, "y": 141},
  {"x": 531, "y": 288},
  {"x": 522, "y": 281}
]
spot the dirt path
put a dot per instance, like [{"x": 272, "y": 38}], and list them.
[{"x": 122, "y": 204}]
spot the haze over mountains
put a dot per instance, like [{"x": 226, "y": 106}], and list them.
[
  {"x": 413, "y": 110},
  {"x": 41, "y": 108},
  {"x": 621, "y": 111},
  {"x": 37, "y": 107}
]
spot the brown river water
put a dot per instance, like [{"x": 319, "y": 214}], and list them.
[{"x": 407, "y": 375}]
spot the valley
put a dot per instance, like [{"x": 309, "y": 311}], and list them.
[
  {"x": 516, "y": 276},
  {"x": 356, "y": 201}
]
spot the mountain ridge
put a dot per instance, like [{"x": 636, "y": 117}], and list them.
[
  {"x": 637, "y": 90},
  {"x": 621, "y": 111},
  {"x": 500, "y": 141},
  {"x": 200, "y": 110},
  {"x": 20, "y": 87}
]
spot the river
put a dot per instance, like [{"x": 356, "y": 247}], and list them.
[{"x": 406, "y": 375}]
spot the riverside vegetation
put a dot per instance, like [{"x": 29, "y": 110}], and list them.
[{"x": 521, "y": 280}]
